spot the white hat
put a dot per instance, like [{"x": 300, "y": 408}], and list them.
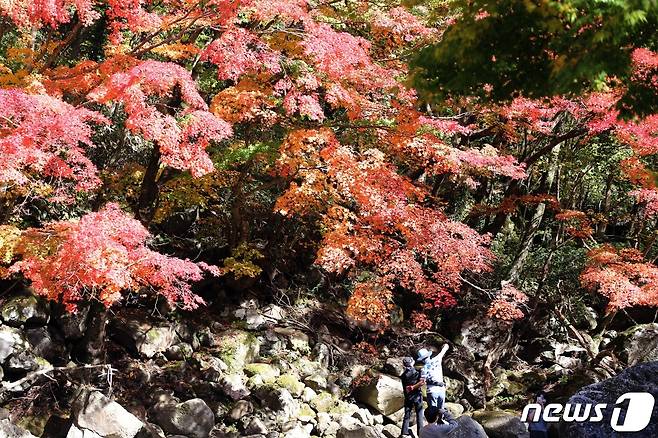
[{"x": 423, "y": 354}]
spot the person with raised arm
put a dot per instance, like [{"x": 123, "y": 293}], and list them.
[{"x": 432, "y": 375}]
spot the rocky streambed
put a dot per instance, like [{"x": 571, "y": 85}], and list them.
[{"x": 269, "y": 371}]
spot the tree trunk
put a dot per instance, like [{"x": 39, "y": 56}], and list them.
[
  {"x": 91, "y": 349},
  {"x": 149, "y": 191},
  {"x": 536, "y": 221},
  {"x": 600, "y": 232},
  {"x": 239, "y": 224},
  {"x": 494, "y": 227}
]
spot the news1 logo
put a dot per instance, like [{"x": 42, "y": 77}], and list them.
[{"x": 638, "y": 412}]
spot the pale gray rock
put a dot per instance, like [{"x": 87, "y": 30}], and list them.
[
  {"x": 383, "y": 394},
  {"x": 94, "y": 413},
  {"x": 192, "y": 418},
  {"x": 641, "y": 343},
  {"x": 25, "y": 310},
  {"x": 10, "y": 430}
]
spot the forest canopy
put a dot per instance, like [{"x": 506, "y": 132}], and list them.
[
  {"x": 543, "y": 48},
  {"x": 401, "y": 158}
]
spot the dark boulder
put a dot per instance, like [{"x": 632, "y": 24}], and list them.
[
  {"x": 639, "y": 378},
  {"x": 467, "y": 427},
  {"x": 501, "y": 424}
]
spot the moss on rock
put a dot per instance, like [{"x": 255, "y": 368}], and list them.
[
  {"x": 237, "y": 348},
  {"x": 323, "y": 402},
  {"x": 265, "y": 371},
  {"x": 291, "y": 383}
]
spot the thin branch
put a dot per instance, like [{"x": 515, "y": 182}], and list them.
[
  {"x": 552, "y": 143},
  {"x": 72, "y": 35},
  {"x": 488, "y": 292},
  {"x": 44, "y": 372}
]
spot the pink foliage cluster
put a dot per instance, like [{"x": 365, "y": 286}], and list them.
[
  {"x": 151, "y": 78},
  {"x": 130, "y": 15},
  {"x": 339, "y": 97},
  {"x": 184, "y": 148},
  {"x": 446, "y": 126},
  {"x": 239, "y": 51},
  {"x": 645, "y": 66},
  {"x": 506, "y": 165},
  {"x": 47, "y": 12},
  {"x": 599, "y": 114},
  {"x": 603, "y": 115},
  {"x": 343, "y": 69},
  {"x": 386, "y": 206},
  {"x": 344, "y": 57},
  {"x": 622, "y": 276},
  {"x": 301, "y": 96},
  {"x": 202, "y": 128},
  {"x": 41, "y": 135},
  {"x": 440, "y": 158},
  {"x": 220, "y": 12},
  {"x": 337, "y": 54},
  {"x": 648, "y": 197},
  {"x": 289, "y": 11},
  {"x": 122, "y": 14},
  {"x": 532, "y": 113},
  {"x": 506, "y": 306},
  {"x": 306, "y": 104},
  {"x": 401, "y": 24},
  {"x": 596, "y": 111},
  {"x": 641, "y": 135},
  {"x": 104, "y": 254}
]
